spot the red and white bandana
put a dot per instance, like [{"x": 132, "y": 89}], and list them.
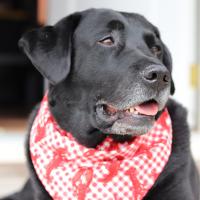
[{"x": 111, "y": 171}]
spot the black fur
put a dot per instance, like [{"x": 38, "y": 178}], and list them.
[{"x": 101, "y": 57}]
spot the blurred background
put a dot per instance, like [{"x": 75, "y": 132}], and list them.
[{"x": 21, "y": 86}]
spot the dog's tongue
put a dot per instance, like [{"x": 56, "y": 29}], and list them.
[{"x": 150, "y": 109}]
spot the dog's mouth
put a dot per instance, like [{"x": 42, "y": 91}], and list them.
[
  {"x": 149, "y": 108},
  {"x": 133, "y": 120}
]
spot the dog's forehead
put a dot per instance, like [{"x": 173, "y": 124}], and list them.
[
  {"x": 102, "y": 17},
  {"x": 102, "y": 20}
]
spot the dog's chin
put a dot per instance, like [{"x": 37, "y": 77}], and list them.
[
  {"x": 133, "y": 121},
  {"x": 132, "y": 125}
]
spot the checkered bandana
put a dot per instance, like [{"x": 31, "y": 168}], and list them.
[{"x": 111, "y": 171}]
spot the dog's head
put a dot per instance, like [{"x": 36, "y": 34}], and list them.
[{"x": 109, "y": 73}]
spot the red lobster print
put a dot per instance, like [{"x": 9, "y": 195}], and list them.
[
  {"x": 144, "y": 149},
  {"x": 138, "y": 187},
  {"x": 81, "y": 182},
  {"x": 113, "y": 168},
  {"x": 57, "y": 160},
  {"x": 40, "y": 134}
]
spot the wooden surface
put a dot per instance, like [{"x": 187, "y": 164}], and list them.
[{"x": 11, "y": 124}]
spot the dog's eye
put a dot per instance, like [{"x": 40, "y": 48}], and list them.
[
  {"x": 156, "y": 50},
  {"x": 108, "y": 41}
]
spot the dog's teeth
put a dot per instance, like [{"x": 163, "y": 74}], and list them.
[
  {"x": 131, "y": 110},
  {"x": 136, "y": 112}
]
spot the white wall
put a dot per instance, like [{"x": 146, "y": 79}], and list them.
[{"x": 176, "y": 20}]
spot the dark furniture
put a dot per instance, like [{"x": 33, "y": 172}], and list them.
[{"x": 21, "y": 86}]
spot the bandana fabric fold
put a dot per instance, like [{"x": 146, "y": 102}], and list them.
[{"x": 111, "y": 171}]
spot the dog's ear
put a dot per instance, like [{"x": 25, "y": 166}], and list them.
[
  {"x": 167, "y": 61},
  {"x": 50, "y": 48}
]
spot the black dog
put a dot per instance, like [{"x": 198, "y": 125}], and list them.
[{"x": 100, "y": 63}]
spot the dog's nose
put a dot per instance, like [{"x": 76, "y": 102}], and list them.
[{"x": 156, "y": 74}]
